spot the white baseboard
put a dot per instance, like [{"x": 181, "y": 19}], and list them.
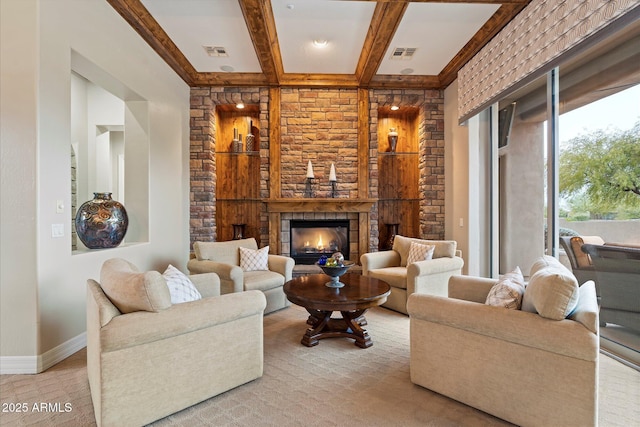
[{"x": 37, "y": 364}]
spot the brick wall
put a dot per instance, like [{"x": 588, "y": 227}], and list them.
[{"x": 320, "y": 125}]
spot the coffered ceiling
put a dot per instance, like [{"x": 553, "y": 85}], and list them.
[{"x": 385, "y": 43}]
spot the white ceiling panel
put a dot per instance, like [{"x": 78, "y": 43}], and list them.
[
  {"x": 438, "y": 31},
  {"x": 343, "y": 24},
  {"x": 192, "y": 24}
]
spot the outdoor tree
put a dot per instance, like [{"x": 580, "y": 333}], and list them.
[{"x": 602, "y": 170}]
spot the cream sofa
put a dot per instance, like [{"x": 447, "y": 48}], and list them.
[
  {"x": 424, "y": 277},
  {"x": 146, "y": 365},
  {"x": 516, "y": 365},
  {"x": 223, "y": 258}
]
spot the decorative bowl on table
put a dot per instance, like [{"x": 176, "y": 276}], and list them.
[{"x": 335, "y": 271}]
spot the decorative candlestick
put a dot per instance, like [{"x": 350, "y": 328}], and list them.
[
  {"x": 308, "y": 190},
  {"x": 332, "y": 180},
  {"x": 250, "y": 137},
  {"x": 393, "y": 139},
  {"x": 236, "y": 144}
]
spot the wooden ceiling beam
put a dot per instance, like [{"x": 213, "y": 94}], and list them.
[
  {"x": 394, "y": 81},
  {"x": 230, "y": 79},
  {"x": 261, "y": 24},
  {"x": 141, "y": 20},
  {"x": 384, "y": 23},
  {"x": 492, "y": 27}
]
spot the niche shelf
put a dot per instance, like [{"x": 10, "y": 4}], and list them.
[
  {"x": 398, "y": 182},
  {"x": 238, "y": 172}
]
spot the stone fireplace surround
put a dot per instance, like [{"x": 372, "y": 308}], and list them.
[{"x": 325, "y": 126}]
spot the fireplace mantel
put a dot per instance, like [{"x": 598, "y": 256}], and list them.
[
  {"x": 320, "y": 205},
  {"x": 361, "y": 206}
]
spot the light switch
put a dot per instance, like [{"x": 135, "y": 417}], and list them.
[
  {"x": 57, "y": 230},
  {"x": 461, "y": 222},
  {"x": 59, "y": 206}
]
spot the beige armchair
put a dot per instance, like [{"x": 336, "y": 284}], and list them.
[
  {"x": 424, "y": 277},
  {"x": 153, "y": 358},
  {"x": 223, "y": 258},
  {"x": 516, "y": 365}
]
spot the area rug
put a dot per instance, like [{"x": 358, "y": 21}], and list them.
[{"x": 332, "y": 384}]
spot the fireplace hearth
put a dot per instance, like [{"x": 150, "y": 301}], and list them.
[{"x": 310, "y": 239}]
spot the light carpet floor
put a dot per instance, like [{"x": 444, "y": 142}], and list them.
[{"x": 332, "y": 384}]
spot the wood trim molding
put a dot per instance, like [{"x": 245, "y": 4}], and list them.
[
  {"x": 363, "y": 143},
  {"x": 141, "y": 20},
  {"x": 497, "y": 22},
  {"x": 384, "y": 23},
  {"x": 274, "y": 143},
  {"x": 319, "y": 205},
  {"x": 261, "y": 24}
]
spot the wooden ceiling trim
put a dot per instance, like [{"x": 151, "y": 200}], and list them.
[
  {"x": 230, "y": 79},
  {"x": 393, "y": 81},
  {"x": 141, "y": 20},
  {"x": 261, "y": 24},
  {"x": 315, "y": 80},
  {"x": 492, "y": 27},
  {"x": 384, "y": 23}
]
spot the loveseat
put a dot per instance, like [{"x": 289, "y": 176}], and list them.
[
  {"x": 148, "y": 358},
  {"x": 526, "y": 368},
  {"x": 425, "y": 277},
  {"x": 224, "y": 259}
]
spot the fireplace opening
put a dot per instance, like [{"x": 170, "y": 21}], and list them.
[{"x": 310, "y": 239}]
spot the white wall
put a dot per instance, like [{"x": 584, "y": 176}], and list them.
[{"x": 43, "y": 283}]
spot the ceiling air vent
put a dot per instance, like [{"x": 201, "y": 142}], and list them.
[
  {"x": 403, "y": 52},
  {"x": 215, "y": 50}
]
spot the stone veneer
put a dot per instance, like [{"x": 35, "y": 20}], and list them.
[
  {"x": 431, "y": 154},
  {"x": 320, "y": 125}
]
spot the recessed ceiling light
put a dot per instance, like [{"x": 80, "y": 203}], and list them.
[
  {"x": 394, "y": 108},
  {"x": 320, "y": 42},
  {"x": 406, "y": 71},
  {"x": 227, "y": 68},
  {"x": 240, "y": 105}
]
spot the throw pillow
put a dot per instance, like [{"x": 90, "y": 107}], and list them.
[
  {"x": 420, "y": 252},
  {"x": 508, "y": 291},
  {"x": 181, "y": 288},
  {"x": 254, "y": 260},
  {"x": 552, "y": 291},
  {"x": 130, "y": 290}
]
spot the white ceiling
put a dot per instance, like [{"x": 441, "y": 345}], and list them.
[{"x": 438, "y": 31}]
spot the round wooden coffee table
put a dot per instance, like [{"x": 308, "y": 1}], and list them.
[{"x": 352, "y": 301}]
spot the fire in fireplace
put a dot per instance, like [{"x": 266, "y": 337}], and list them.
[{"x": 310, "y": 239}]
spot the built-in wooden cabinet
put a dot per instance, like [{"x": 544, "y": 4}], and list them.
[
  {"x": 398, "y": 174},
  {"x": 238, "y": 173}
]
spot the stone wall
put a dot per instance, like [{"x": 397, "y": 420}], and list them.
[
  {"x": 431, "y": 157},
  {"x": 320, "y": 125}
]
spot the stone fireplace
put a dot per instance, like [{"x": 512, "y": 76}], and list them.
[{"x": 327, "y": 126}]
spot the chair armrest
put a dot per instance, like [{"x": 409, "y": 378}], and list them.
[
  {"x": 381, "y": 259},
  {"x": 470, "y": 288},
  {"x": 566, "y": 337},
  {"x": 143, "y": 327},
  {"x": 231, "y": 276},
  {"x": 208, "y": 284},
  {"x": 434, "y": 266},
  {"x": 282, "y": 264}
]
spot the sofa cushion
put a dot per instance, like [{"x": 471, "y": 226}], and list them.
[
  {"x": 225, "y": 252},
  {"x": 419, "y": 252},
  {"x": 552, "y": 291},
  {"x": 130, "y": 290},
  {"x": 443, "y": 248},
  {"x": 508, "y": 291},
  {"x": 181, "y": 288},
  {"x": 262, "y": 280},
  {"x": 254, "y": 259},
  {"x": 395, "y": 276}
]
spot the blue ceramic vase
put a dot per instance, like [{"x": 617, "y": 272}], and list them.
[{"x": 102, "y": 222}]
